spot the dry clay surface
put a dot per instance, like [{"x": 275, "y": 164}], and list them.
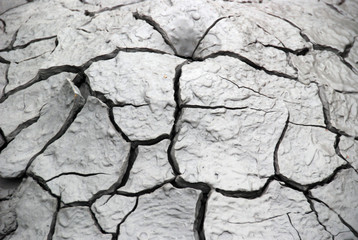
[{"x": 173, "y": 119}]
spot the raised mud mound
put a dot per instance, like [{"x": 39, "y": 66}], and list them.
[{"x": 171, "y": 119}]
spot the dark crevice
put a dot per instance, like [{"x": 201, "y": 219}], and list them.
[
  {"x": 213, "y": 107},
  {"x": 3, "y": 141},
  {"x": 248, "y": 62},
  {"x": 275, "y": 153},
  {"x": 115, "y": 125},
  {"x": 352, "y": 229},
  {"x": 206, "y": 33},
  {"x": 177, "y": 114},
  {"x": 289, "y": 219},
  {"x": 74, "y": 173},
  {"x": 3, "y": 60},
  {"x": 334, "y": 8},
  {"x": 54, "y": 221},
  {"x": 246, "y": 194},
  {"x": 307, "y": 195},
  {"x": 150, "y": 142},
  {"x": 297, "y": 52},
  {"x": 157, "y": 27},
  {"x": 4, "y": 24},
  {"x": 143, "y": 192},
  {"x": 22, "y": 126},
  {"x": 118, "y": 231},
  {"x": 132, "y": 157},
  {"x": 12, "y": 48},
  {"x": 307, "y": 125},
  {"x": 201, "y": 203},
  {"x": 200, "y": 211}
]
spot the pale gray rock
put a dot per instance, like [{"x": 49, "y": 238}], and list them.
[
  {"x": 27, "y": 104},
  {"x": 331, "y": 221},
  {"x": 110, "y": 3},
  {"x": 112, "y": 210},
  {"x": 342, "y": 110},
  {"x": 184, "y": 22},
  {"x": 322, "y": 24},
  {"x": 48, "y": 21},
  {"x": 22, "y": 73},
  {"x": 77, "y": 223},
  {"x": 342, "y": 197},
  {"x": 96, "y": 162},
  {"x": 240, "y": 34},
  {"x": 123, "y": 30},
  {"x": 122, "y": 80},
  {"x": 32, "y": 51},
  {"x": 34, "y": 210},
  {"x": 6, "y": 5},
  {"x": 304, "y": 150},
  {"x": 150, "y": 168},
  {"x": 15, "y": 17},
  {"x": 3, "y": 80},
  {"x": 211, "y": 144},
  {"x": 144, "y": 122},
  {"x": 325, "y": 68},
  {"x": 349, "y": 150},
  {"x": 68, "y": 53},
  {"x": 8, "y": 222},
  {"x": 156, "y": 218},
  {"x": 226, "y": 81},
  {"x": 30, "y": 141},
  {"x": 352, "y": 57},
  {"x": 239, "y": 218}
]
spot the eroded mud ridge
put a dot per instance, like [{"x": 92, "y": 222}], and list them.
[{"x": 171, "y": 119}]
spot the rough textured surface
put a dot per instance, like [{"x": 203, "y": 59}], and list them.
[
  {"x": 30, "y": 141},
  {"x": 77, "y": 223},
  {"x": 211, "y": 144},
  {"x": 34, "y": 209},
  {"x": 156, "y": 218},
  {"x": 96, "y": 163},
  {"x": 341, "y": 200},
  {"x": 224, "y": 218},
  {"x": 171, "y": 119},
  {"x": 150, "y": 169},
  {"x": 317, "y": 144}
]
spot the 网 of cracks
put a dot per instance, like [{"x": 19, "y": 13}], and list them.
[
  {"x": 321, "y": 47},
  {"x": 71, "y": 117},
  {"x": 338, "y": 152},
  {"x": 44, "y": 74},
  {"x": 310, "y": 198},
  {"x": 157, "y": 27},
  {"x": 327, "y": 114},
  {"x": 248, "y": 62},
  {"x": 177, "y": 114},
  {"x": 122, "y": 180}
]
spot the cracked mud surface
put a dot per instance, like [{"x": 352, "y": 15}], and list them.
[{"x": 171, "y": 119}]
